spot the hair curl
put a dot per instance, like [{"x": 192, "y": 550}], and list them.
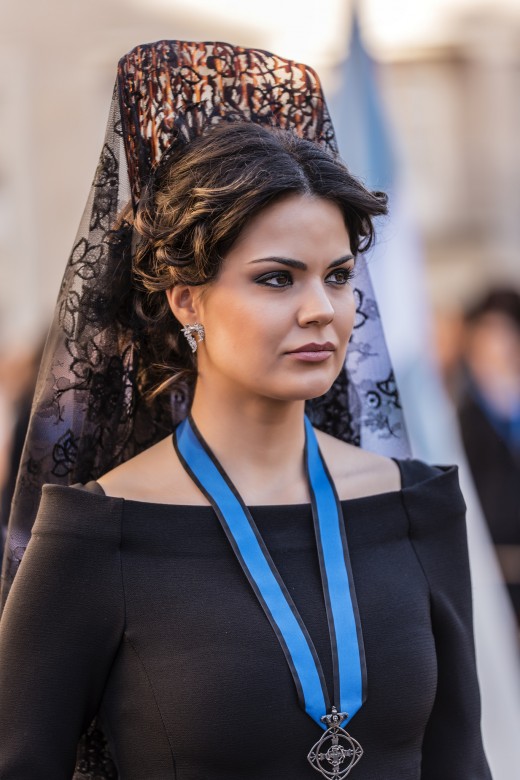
[{"x": 198, "y": 201}]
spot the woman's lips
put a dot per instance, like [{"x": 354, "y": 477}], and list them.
[
  {"x": 313, "y": 353},
  {"x": 316, "y": 356}
]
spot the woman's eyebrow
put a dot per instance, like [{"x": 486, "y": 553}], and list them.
[{"x": 298, "y": 263}]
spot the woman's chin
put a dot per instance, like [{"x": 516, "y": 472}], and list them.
[{"x": 304, "y": 393}]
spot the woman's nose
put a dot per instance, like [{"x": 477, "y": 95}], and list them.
[{"x": 316, "y": 307}]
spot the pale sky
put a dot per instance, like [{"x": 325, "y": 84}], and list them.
[{"x": 315, "y": 32}]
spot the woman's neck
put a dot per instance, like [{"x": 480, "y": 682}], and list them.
[{"x": 259, "y": 443}]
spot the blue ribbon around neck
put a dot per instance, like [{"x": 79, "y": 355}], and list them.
[{"x": 338, "y": 586}]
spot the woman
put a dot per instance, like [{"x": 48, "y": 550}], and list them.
[{"x": 147, "y": 595}]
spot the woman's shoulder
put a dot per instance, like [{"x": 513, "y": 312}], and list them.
[
  {"x": 416, "y": 473},
  {"x": 358, "y": 473},
  {"x": 432, "y": 496},
  {"x": 154, "y": 476},
  {"x": 81, "y": 510}
]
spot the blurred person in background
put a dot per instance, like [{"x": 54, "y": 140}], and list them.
[{"x": 489, "y": 414}]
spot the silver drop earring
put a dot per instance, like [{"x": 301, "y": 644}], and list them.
[{"x": 189, "y": 330}]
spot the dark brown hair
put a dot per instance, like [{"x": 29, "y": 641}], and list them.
[{"x": 198, "y": 202}]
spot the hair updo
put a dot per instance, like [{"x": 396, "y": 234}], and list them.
[{"x": 200, "y": 198}]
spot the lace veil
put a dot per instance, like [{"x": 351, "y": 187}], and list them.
[{"x": 88, "y": 413}]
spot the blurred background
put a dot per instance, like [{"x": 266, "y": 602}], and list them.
[{"x": 424, "y": 97}]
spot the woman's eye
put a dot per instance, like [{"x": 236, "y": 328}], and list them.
[
  {"x": 275, "y": 279},
  {"x": 279, "y": 279},
  {"x": 341, "y": 275}
]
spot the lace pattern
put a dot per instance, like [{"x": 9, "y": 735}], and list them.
[{"x": 172, "y": 88}]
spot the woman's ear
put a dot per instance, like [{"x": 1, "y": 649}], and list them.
[{"x": 181, "y": 300}]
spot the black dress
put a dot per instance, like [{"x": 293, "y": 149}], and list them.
[{"x": 142, "y": 613}]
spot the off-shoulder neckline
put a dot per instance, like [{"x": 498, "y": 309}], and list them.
[{"x": 387, "y": 495}]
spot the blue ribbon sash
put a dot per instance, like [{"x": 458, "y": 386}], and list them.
[{"x": 338, "y": 586}]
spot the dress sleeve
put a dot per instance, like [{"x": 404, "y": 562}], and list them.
[
  {"x": 452, "y": 745},
  {"x": 59, "y": 633}
]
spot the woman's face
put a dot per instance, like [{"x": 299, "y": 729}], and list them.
[{"x": 283, "y": 286}]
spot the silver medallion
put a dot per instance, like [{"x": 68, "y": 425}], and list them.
[{"x": 336, "y": 753}]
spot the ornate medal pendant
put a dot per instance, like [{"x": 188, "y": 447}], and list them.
[{"x": 336, "y": 753}]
